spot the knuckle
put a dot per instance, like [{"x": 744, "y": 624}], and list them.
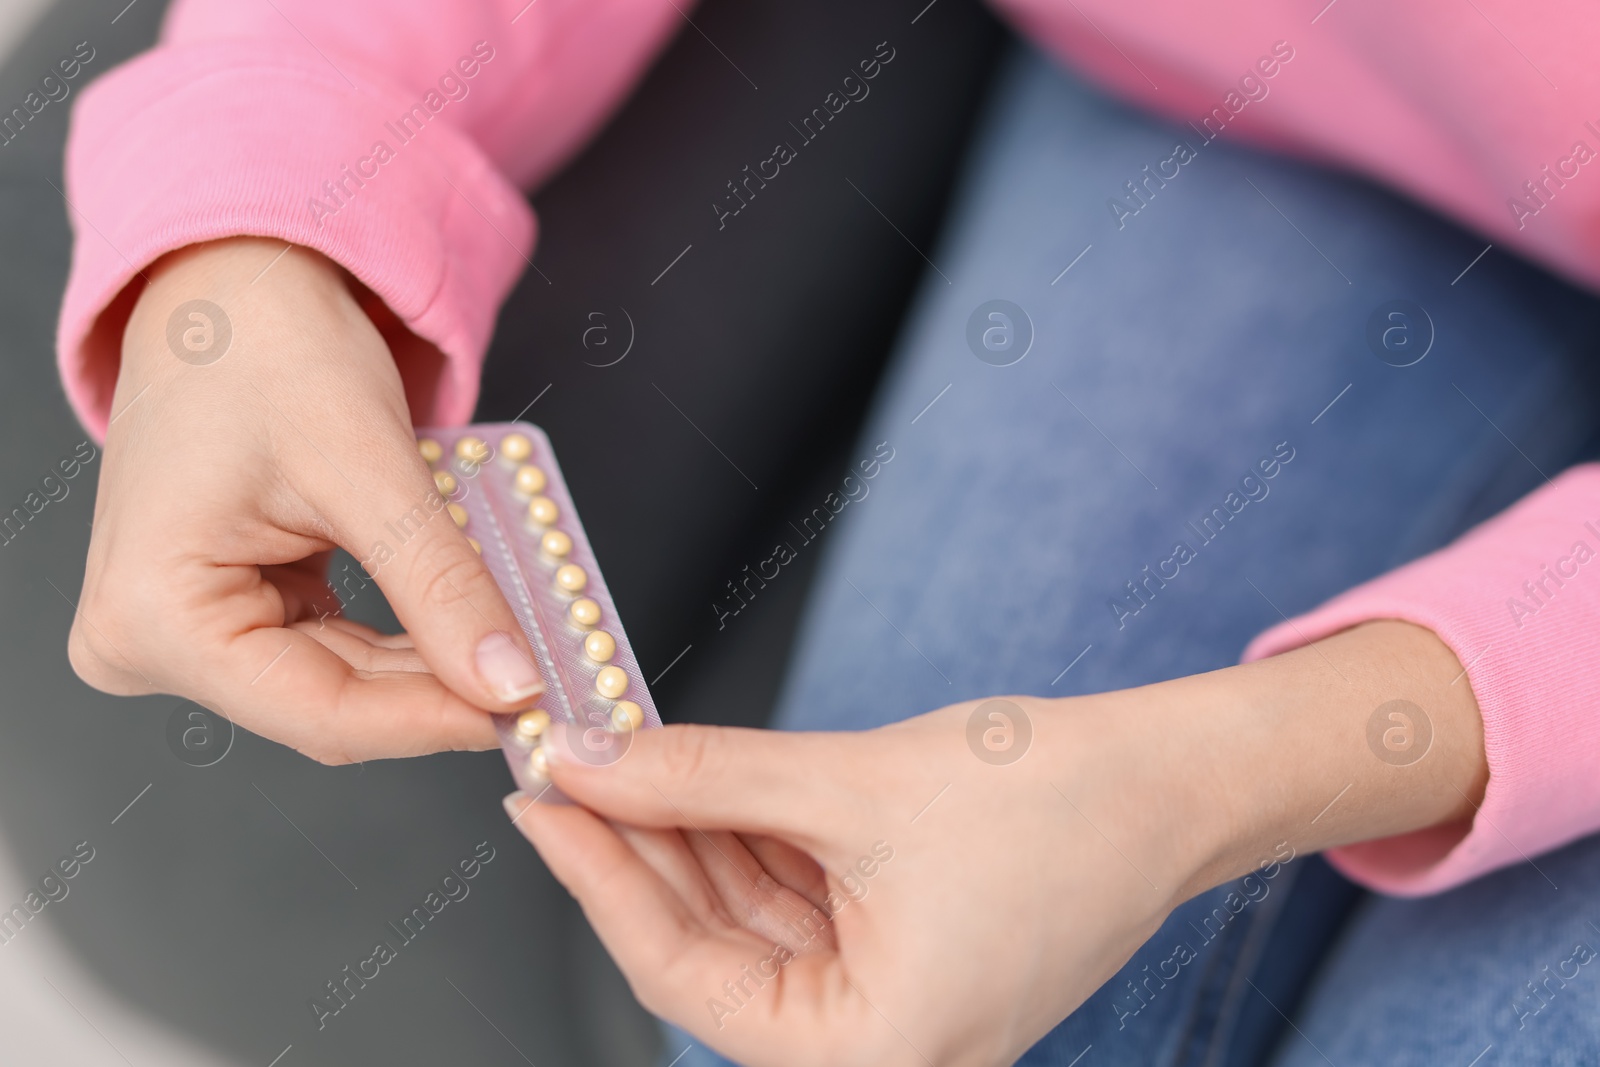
[
  {"x": 448, "y": 578},
  {"x": 324, "y": 748},
  {"x": 95, "y": 659},
  {"x": 85, "y": 663},
  {"x": 650, "y": 994},
  {"x": 327, "y": 755},
  {"x": 689, "y": 750},
  {"x": 660, "y": 989},
  {"x": 326, "y": 742}
]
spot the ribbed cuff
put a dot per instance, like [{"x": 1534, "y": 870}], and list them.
[
  {"x": 194, "y": 143},
  {"x": 1518, "y": 601}
]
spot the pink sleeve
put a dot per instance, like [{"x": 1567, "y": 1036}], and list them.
[
  {"x": 353, "y": 127},
  {"x": 1485, "y": 112},
  {"x": 1456, "y": 104},
  {"x": 393, "y": 137},
  {"x": 1518, "y": 600}
]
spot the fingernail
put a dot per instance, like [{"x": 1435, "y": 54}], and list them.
[
  {"x": 505, "y": 669},
  {"x": 515, "y": 804}
]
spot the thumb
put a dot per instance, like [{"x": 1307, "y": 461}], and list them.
[
  {"x": 444, "y": 595},
  {"x": 707, "y": 778}
]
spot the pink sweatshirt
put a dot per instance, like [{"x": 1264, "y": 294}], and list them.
[{"x": 233, "y": 125}]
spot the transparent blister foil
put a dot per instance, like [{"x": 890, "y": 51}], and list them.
[{"x": 505, "y": 490}]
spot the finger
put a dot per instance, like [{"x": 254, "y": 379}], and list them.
[
  {"x": 724, "y": 886},
  {"x": 367, "y": 633},
  {"x": 357, "y": 648},
  {"x": 790, "y": 866},
  {"x": 439, "y": 588},
  {"x": 755, "y": 899},
  {"x": 710, "y": 778},
  {"x": 669, "y": 855},
  {"x": 732, "y": 989},
  {"x": 287, "y": 686},
  {"x": 638, "y": 914}
]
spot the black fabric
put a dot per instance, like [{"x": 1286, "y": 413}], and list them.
[{"x": 755, "y": 354}]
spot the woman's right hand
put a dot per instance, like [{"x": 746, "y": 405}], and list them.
[
  {"x": 946, "y": 889},
  {"x": 250, "y": 435}
]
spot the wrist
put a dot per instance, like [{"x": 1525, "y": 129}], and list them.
[
  {"x": 231, "y": 274},
  {"x": 265, "y": 280},
  {"x": 1370, "y": 733}
]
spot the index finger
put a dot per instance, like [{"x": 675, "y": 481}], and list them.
[
  {"x": 711, "y": 777},
  {"x": 289, "y": 687}
]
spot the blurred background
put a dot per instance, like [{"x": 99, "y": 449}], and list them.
[{"x": 222, "y": 897}]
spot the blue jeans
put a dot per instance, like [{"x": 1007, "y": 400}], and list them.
[{"x": 1240, "y": 307}]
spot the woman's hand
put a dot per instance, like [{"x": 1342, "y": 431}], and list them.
[
  {"x": 259, "y": 421},
  {"x": 928, "y": 893}
]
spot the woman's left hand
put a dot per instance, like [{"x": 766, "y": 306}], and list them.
[{"x": 946, "y": 889}]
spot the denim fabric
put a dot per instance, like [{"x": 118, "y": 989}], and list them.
[{"x": 1224, "y": 322}]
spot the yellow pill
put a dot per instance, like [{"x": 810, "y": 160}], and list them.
[
  {"x": 528, "y": 480},
  {"x": 472, "y": 450},
  {"x": 584, "y": 612},
  {"x": 431, "y": 450},
  {"x": 445, "y": 481},
  {"x": 458, "y": 513},
  {"x": 626, "y": 716},
  {"x": 555, "y": 543},
  {"x": 600, "y": 646},
  {"x": 515, "y": 447},
  {"x": 571, "y": 578},
  {"x": 473, "y": 541},
  {"x": 532, "y": 723},
  {"x": 539, "y": 764},
  {"x": 611, "y": 682},
  {"x": 542, "y": 510}
]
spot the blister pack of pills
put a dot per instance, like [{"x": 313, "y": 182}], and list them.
[{"x": 505, "y": 491}]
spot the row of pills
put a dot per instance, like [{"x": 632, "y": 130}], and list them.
[{"x": 599, "y": 646}]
